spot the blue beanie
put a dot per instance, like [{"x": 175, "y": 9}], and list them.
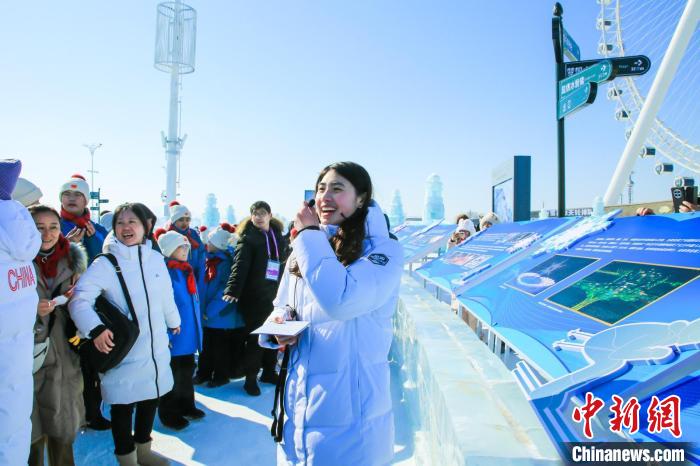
[{"x": 9, "y": 172}]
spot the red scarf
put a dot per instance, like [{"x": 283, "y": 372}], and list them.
[
  {"x": 185, "y": 267},
  {"x": 193, "y": 242},
  {"x": 211, "y": 264},
  {"x": 81, "y": 221},
  {"x": 48, "y": 265}
]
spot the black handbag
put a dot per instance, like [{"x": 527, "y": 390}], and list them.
[{"x": 124, "y": 331}]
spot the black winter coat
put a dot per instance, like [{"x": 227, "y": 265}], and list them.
[{"x": 247, "y": 281}]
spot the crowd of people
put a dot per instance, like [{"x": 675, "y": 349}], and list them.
[{"x": 195, "y": 296}]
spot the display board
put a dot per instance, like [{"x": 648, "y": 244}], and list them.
[
  {"x": 425, "y": 241},
  {"x": 510, "y": 190},
  {"x": 455, "y": 269},
  {"x": 606, "y": 307}
]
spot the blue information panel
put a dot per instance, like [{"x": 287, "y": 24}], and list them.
[
  {"x": 426, "y": 241},
  {"x": 455, "y": 269},
  {"x": 615, "y": 313}
]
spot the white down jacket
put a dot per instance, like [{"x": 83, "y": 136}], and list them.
[
  {"x": 337, "y": 401},
  {"x": 19, "y": 244},
  {"x": 145, "y": 371}
]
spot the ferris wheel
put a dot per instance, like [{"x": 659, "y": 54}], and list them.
[{"x": 630, "y": 27}]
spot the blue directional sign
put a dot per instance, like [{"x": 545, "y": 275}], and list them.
[
  {"x": 600, "y": 72},
  {"x": 577, "y": 99},
  {"x": 571, "y": 48},
  {"x": 631, "y": 65}
]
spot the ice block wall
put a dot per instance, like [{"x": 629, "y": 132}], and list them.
[{"x": 466, "y": 407}]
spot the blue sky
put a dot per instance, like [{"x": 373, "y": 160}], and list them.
[{"x": 406, "y": 88}]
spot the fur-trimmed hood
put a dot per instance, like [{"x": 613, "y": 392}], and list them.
[
  {"x": 246, "y": 224},
  {"x": 78, "y": 258}
]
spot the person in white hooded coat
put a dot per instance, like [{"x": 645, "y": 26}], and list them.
[
  {"x": 336, "y": 396},
  {"x": 19, "y": 243},
  {"x": 144, "y": 374}
]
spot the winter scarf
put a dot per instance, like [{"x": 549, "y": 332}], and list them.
[
  {"x": 48, "y": 261},
  {"x": 80, "y": 220},
  {"x": 185, "y": 267},
  {"x": 211, "y": 264}
]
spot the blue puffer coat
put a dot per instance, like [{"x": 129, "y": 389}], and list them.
[
  {"x": 189, "y": 340},
  {"x": 197, "y": 255},
  {"x": 217, "y": 313},
  {"x": 337, "y": 399},
  {"x": 93, "y": 244}
]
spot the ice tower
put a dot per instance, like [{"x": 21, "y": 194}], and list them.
[
  {"x": 396, "y": 215},
  {"x": 211, "y": 212},
  {"x": 230, "y": 215},
  {"x": 434, "y": 208}
]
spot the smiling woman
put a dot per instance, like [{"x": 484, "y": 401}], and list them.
[{"x": 144, "y": 374}]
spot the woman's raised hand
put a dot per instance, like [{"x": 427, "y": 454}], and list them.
[
  {"x": 306, "y": 217},
  {"x": 45, "y": 307},
  {"x": 284, "y": 341}
]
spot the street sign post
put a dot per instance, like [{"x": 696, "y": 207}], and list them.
[
  {"x": 598, "y": 73},
  {"x": 94, "y": 195},
  {"x": 571, "y": 48},
  {"x": 633, "y": 65},
  {"x": 103, "y": 201},
  {"x": 576, "y": 100}
]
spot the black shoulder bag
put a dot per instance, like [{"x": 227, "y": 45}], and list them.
[{"x": 124, "y": 331}]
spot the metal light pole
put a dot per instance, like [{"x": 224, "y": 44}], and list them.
[
  {"x": 558, "y": 39},
  {"x": 92, "y": 148},
  {"x": 176, "y": 32}
]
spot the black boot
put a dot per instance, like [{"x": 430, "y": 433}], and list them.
[
  {"x": 199, "y": 379},
  {"x": 251, "y": 386},
  {"x": 269, "y": 376},
  {"x": 99, "y": 423},
  {"x": 174, "y": 421},
  {"x": 194, "y": 413}
]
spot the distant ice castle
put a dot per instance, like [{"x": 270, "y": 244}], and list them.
[{"x": 434, "y": 208}]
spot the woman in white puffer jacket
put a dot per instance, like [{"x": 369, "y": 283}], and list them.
[
  {"x": 19, "y": 243},
  {"x": 343, "y": 277},
  {"x": 144, "y": 374}
]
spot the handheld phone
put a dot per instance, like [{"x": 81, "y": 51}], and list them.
[{"x": 683, "y": 193}]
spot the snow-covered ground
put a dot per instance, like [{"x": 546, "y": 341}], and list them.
[{"x": 236, "y": 431}]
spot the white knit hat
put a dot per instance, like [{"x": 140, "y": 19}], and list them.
[
  {"x": 466, "y": 225},
  {"x": 177, "y": 211},
  {"x": 26, "y": 192},
  {"x": 223, "y": 237},
  {"x": 490, "y": 218},
  {"x": 169, "y": 241},
  {"x": 106, "y": 220},
  {"x": 78, "y": 184}
]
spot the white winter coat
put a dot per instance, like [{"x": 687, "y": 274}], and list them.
[
  {"x": 145, "y": 371},
  {"x": 337, "y": 401},
  {"x": 19, "y": 244}
]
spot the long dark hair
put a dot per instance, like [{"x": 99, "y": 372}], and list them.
[
  {"x": 348, "y": 240},
  {"x": 43, "y": 209},
  {"x": 138, "y": 211},
  {"x": 149, "y": 215}
]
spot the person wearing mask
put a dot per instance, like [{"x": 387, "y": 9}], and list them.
[
  {"x": 78, "y": 228},
  {"x": 58, "y": 383},
  {"x": 180, "y": 219},
  {"x": 19, "y": 244},
  {"x": 343, "y": 278},
  {"x": 224, "y": 329},
  {"x": 144, "y": 375},
  {"x": 257, "y": 267},
  {"x": 178, "y": 405}
]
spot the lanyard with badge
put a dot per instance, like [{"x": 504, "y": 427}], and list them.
[{"x": 273, "y": 266}]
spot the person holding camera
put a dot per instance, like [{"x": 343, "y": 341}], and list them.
[
  {"x": 343, "y": 278},
  {"x": 58, "y": 386},
  {"x": 465, "y": 229},
  {"x": 143, "y": 376}
]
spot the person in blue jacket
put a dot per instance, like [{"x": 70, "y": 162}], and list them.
[
  {"x": 224, "y": 329},
  {"x": 180, "y": 218},
  {"x": 76, "y": 224},
  {"x": 77, "y": 227},
  {"x": 343, "y": 278},
  {"x": 178, "y": 405}
]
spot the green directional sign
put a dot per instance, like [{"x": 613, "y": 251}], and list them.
[
  {"x": 577, "y": 99},
  {"x": 571, "y": 48},
  {"x": 600, "y": 72}
]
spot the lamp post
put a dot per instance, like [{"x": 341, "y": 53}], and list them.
[{"x": 92, "y": 148}]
